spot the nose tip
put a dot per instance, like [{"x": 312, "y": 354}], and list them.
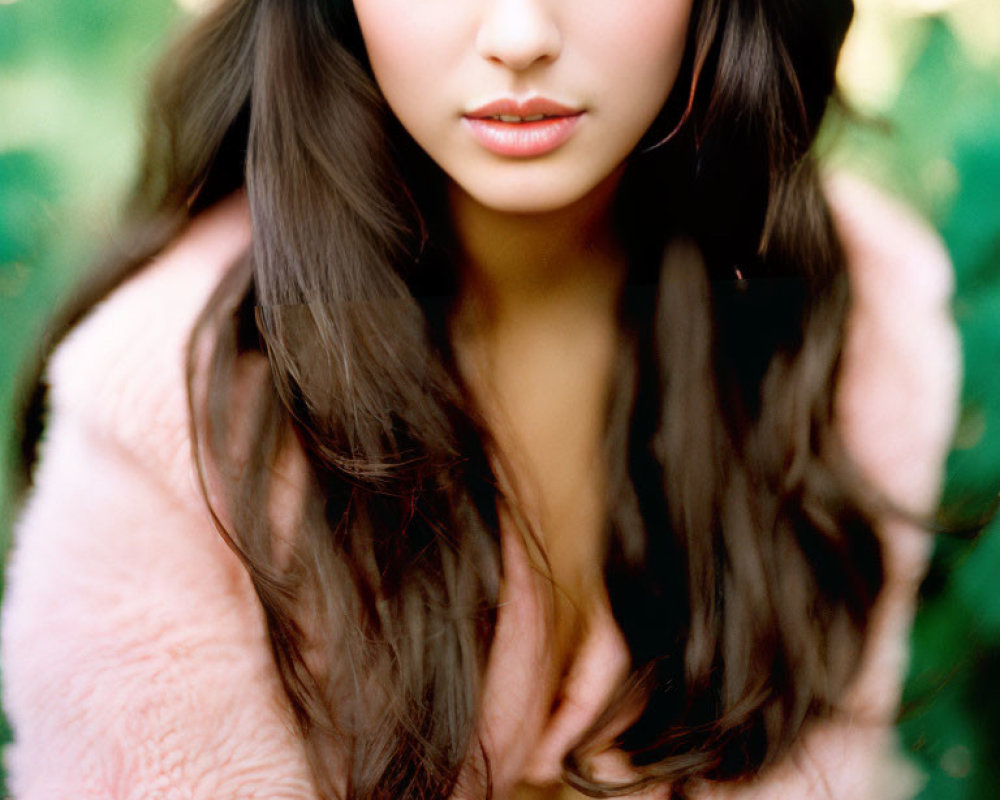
[{"x": 518, "y": 34}]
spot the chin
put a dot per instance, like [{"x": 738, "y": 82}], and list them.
[
  {"x": 525, "y": 204},
  {"x": 539, "y": 196}
]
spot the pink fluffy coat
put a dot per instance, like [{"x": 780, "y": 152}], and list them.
[{"x": 134, "y": 654}]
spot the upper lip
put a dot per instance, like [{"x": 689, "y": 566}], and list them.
[{"x": 524, "y": 108}]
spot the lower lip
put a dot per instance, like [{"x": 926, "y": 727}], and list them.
[{"x": 522, "y": 139}]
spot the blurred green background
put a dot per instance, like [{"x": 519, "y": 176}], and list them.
[{"x": 923, "y": 77}]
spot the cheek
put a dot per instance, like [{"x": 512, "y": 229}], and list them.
[
  {"x": 642, "y": 47},
  {"x": 411, "y": 46},
  {"x": 393, "y": 38}
]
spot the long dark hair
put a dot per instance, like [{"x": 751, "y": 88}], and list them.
[{"x": 741, "y": 567}]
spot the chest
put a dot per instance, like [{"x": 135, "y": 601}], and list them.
[{"x": 558, "y": 653}]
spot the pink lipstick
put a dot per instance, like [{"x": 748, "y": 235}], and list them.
[{"x": 532, "y": 128}]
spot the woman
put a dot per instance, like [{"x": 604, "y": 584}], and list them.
[{"x": 510, "y": 348}]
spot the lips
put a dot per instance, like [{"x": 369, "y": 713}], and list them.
[
  {"x": 522, "y": 128},
  {"x": 535, "y": 107}
]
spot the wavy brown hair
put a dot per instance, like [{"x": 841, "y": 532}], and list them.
[{"x": 741, "y": 564}]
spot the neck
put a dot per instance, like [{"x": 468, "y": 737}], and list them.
[
  {"x": 514, "y": 266},
  {"x": 536, "y": 336}
]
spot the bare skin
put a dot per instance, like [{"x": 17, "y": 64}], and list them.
[{"x": 536, "y": 334}]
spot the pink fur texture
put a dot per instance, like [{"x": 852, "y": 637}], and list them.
[{"x": 134, "y": 654}]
